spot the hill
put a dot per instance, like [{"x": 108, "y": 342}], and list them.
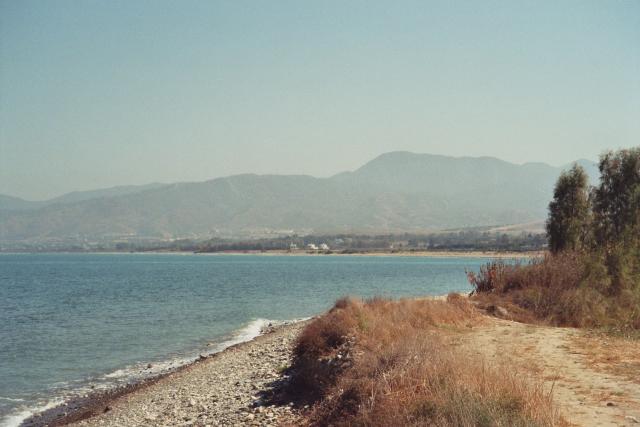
[
  {"x": 394, "y": 192},
  {"x": 10, "y": 203}
]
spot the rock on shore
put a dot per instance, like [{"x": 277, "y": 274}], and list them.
[{"x": 226, "y": 389}]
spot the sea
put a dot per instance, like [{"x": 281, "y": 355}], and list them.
[{"x": 75, "y": 323}]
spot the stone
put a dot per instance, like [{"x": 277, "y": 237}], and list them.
[
  {"x": 498, "y": 311},
  {"x": 225, "y": 391}
]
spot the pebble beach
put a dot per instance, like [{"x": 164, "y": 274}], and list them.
[{"x": 229, "y": 388}]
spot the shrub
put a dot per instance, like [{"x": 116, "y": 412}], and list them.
[
  {"x": 571, "y": 288},
  {"x": 398, "y": 369},
  {"x": 315, "y": 346}
]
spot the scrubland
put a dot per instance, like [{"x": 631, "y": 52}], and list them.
[
  {"x": 382, "y": 362},
  {"x": 571, "y": 288}
]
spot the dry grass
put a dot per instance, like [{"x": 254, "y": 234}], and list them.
[
  {"x": 384, "y": 363},
  {"x": 567, "y": 289},
  {"x": 614, "y": 355}
]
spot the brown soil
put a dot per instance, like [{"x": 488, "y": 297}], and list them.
[{"x": 594, "y": 379}]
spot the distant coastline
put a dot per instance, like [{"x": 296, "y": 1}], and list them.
[
  {"x": 278, "y": 252},
  {"x": 428, "y": 254}
]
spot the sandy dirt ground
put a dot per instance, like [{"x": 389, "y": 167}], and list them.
[{"x": 595, "y": 380}]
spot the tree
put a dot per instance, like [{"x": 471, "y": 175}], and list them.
[
  {"x": 616, "y": 208},
  {"x": 616, "y": 203},
  {"x": 569, "y": 211}
]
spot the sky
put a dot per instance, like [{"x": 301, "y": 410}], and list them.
[{"x": 95, "y": 94}]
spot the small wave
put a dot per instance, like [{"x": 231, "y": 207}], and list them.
[
  {"x": 16, "y": 419},
  {"x": 140, "y": 371},
  {"x": 144, "y": 370},
  {"x": 120, "y": 373},
  {"x": 247, "y": 333},
  {"x": 11, "y": 399}
]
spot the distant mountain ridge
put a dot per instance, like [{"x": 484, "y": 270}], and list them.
[
  {"x": 398, "y": 191},
  {"x": 16, "y": 203}
]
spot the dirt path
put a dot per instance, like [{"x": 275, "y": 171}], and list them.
[{"x": 588, "y": 395}]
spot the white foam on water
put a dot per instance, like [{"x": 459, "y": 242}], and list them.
[
  {"x": 116, "y": 374},
  {"x": 14, "y": 420},
  {"x": 141, "y": 371},
  {"x": 249, "y": 332}
]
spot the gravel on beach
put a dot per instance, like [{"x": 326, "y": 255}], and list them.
[{"x": 225, "y": 389}]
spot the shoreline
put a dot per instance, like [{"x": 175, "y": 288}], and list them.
[
  {"x": 303, "y": 253},
  {"x": 90, "y": 407},
  {"x": 417, "y": 254},
  {"x": 87, "y": 407},
  {"x": 83, "y": 407}
]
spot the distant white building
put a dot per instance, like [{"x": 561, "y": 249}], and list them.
[
  {"x": 293, "y": 247},
  {"x": 312, "y": 247},
  {"x": 324, "y": 247}
]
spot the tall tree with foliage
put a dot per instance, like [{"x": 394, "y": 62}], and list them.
[
  {"x": 616, "y": 207},
  {"x": 569, "y": 211},
  {"x": 616, "y": 203}
]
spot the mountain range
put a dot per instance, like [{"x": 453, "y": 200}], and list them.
[{"x": 397, "y": 191}]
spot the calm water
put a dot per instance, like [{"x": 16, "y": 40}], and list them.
[{"x": 69, "y": 322}]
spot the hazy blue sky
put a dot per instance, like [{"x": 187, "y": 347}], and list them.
[{"x": 102, "y": 93}]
